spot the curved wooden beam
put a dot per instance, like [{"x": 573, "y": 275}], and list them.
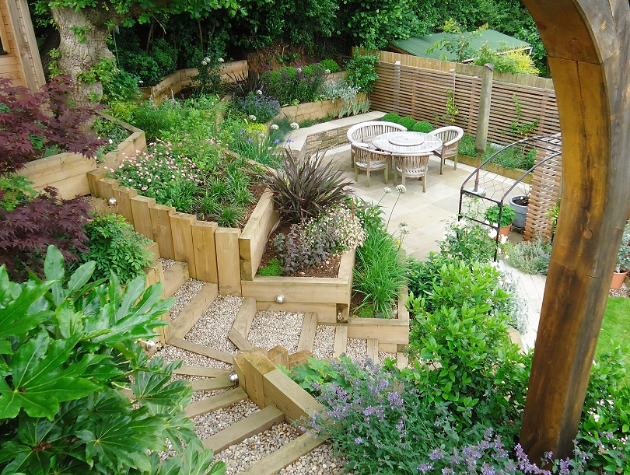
[{"x": 587, "y": 43}]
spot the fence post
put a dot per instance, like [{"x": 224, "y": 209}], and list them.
[
  {"x": 483, "y": 118},
  {"x": 397, "y": 87}
]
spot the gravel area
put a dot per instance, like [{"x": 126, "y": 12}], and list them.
[
  {"x": 172, "y": 353},
  {"x": 270, "y": 329},
  {"x": 324, "y": 344},
  {"x": 166, "y": 263},
  {"x": 213, "y": 327},
  {"x": 240, "y": 456},
  {"x": 622, "y": 292},
  {"x": 320, "y": 461},
  {"x": 357, "y": 349},
  {"x": 184, "y": 295},
  {"x": 213, "y": 422}
]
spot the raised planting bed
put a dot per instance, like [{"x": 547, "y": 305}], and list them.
[
  {"x": 513, "y": 173},
  {"x": 314, "y": 110},
  {"x": 67, "y": 171},
  {"x": 329, "y": 297},
  {"x": 181, "y": 79},
  {"x": 392, "y": 334}
]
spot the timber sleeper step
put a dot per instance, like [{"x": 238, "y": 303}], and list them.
[
  {"x": 309, "y": 329},
  {"x": 201, "y": 371},
  {"x": 341, "y": 340},
  {"x": 215, "y": 402},
  {"x": 256, "y": 423},
  {"x": 210, "y": 384},
  {"x": 201, "y": 350},
  {"x": 195, "y": 309},
  {"x": 174, "y": 277}
]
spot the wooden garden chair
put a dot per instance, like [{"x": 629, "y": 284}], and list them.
[
  {"x": 412, "y": 166},
  {"x": 450, "y": 136},
  {"x": 371, "y": 160}
]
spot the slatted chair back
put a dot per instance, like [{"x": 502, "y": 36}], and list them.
[
  {"x": 450, "y": 136},
  {"x": 412, "y": 166},
  {"x": 370, "y": 160},
  {"x": 362, "y": 133}
]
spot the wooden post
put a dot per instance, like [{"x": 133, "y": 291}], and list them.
[
  {"x": 141, "y": 215},
  {"x": 161, "y": 226},
  {"x": 587, "y": 45},
  {"x": 228, "y": 262},
  {"x": 183, "y": 250},
  {"x": 205, "y": 251},
  {"x": 123, "y": 197}
]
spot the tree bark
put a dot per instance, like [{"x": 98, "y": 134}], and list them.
[{"x": 82, "y": 47}]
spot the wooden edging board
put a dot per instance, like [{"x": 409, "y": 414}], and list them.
[{"x": 324, "y": 296}]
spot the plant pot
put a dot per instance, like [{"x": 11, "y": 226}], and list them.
[
  {"x": 520, "y": 210},
  {"x": 617, "y": 279},
  {"x": 505, "y": 230}
]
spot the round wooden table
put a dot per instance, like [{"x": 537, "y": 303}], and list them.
[{"x": 407, "y": 143}]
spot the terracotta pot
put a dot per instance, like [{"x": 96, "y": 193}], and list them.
[
  {"x": 617, "y": 279},
  {"x": 505, "y": 230}
]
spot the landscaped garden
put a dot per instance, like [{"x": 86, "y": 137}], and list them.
[{"x": 82, "y": 390}]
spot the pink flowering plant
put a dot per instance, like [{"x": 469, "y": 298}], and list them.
[{"x": 193, "y": 175}]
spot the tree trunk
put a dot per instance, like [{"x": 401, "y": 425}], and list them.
[{"x": 82, "y": 47}]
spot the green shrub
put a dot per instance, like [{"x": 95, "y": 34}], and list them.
[
  {"x": 391, "y": 117},
  {"x": 467, "y": 241},
  {"x": 330, "y": 65},
  {"x": 15, "y": 190},
  {"x": 407, "y": 122},
  {"x": 507, "y": 215},
  {"x": 303, "y": 189},
  {"x": 531, "y": 257},
  {"x": 116, "y": 247},
  {"x": 361, "y": 71},
  {"x": 290, "y": 85},
  {"x": 257, "y": 107},
  {"x": 422, "y": 126},
  {"x": 74, "y": 347}
]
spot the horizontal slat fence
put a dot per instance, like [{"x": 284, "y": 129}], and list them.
[{"x": 419, "y": 88}]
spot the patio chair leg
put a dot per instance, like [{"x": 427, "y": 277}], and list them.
[
  {"x": 368, "y": 177},
  {"x": 424, "y": 184},
  {"x": 356, "y": 173},
  {"x": 386, "y": 176},
  {"x": 442, "y": 160},
  {"x": 455, "y": 162}
]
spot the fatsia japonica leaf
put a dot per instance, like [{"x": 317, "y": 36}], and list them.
[
  {"x": 22, "y": 307},
  {"x": 40, "y": 379},
  {"x": 191, "y": 462},
  {"x": 119, "y": 441},
  {"x": 153, "y": 389}
]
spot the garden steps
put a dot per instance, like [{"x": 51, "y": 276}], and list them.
[
  {"x": 213, "y": 403},
  {"x": 201, "y": 371},
  {"x": 307, "y": 335},
  {"x": 284, "y": 456},
  {"x": 254, "y": 424},
  {"x": 341, "y": 340},
  {"x": 212, "y": 384},
  {"x": 195, "y": 309},
  {"x": 174, "y": 277},
  {"x": 372, "y": 349},
  {"x": 201, "y": 349},
  {"x": 242, "y": 324}
]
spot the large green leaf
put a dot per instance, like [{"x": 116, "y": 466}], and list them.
[
  {"x": 40, "y": 381},
  {"x": 192, "y": 462},
  {"x": 22, "y": 307}
]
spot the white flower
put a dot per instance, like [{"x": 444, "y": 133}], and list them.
[
  {"x": 220, "y": 60},
  {"x": 274, "y": 127},
  {"x": 111, "y": 141},
  {"x": 405, "y": 229},
  {"x": 326, "y": 71},
  {"x": 401, "y": 189},
  {"x": 140, "y": 81},
  {"x": 252, "y": 118},
  {"x": 204, "y": 63},
  {"x": 492, "y": 233},
  {"x": 387, "y": 189},
  {"x": 299, "y": 70},
  {"x": 261, "y": 135},
  {"x": 503, "y": 239},
  {"x": 295, "y": 125},
  {"x": 259, "y": 92}
]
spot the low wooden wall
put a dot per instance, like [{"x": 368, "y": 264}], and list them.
[
  {"x": 175, "y": 82},
  {"x": 253, "y": 239},
  {"x": 68, "y": 171},
  {"x": 180, "y": 236},
  {"x": 328, "y": 297},
  {"x": 314, "y": 110},
  {"x": 392, "y": 335}
]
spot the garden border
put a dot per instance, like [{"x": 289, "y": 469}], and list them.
[{"x": 67, "y": 171}]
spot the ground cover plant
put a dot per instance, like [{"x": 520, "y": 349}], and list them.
[
  {"x": 531, "y": 257},
  {"x": 64, "y": 362}
]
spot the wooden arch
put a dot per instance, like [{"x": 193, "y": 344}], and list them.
[{"x": 587, "y": 44}]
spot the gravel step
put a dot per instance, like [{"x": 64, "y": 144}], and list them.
[
  {"x": 284, "y": 456},
  {"x": 195, "y": 309},
  {"x": 201, "y": 350},
  {"x": 252, "y": 425},
  {"x": 215, "y": 402}
]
